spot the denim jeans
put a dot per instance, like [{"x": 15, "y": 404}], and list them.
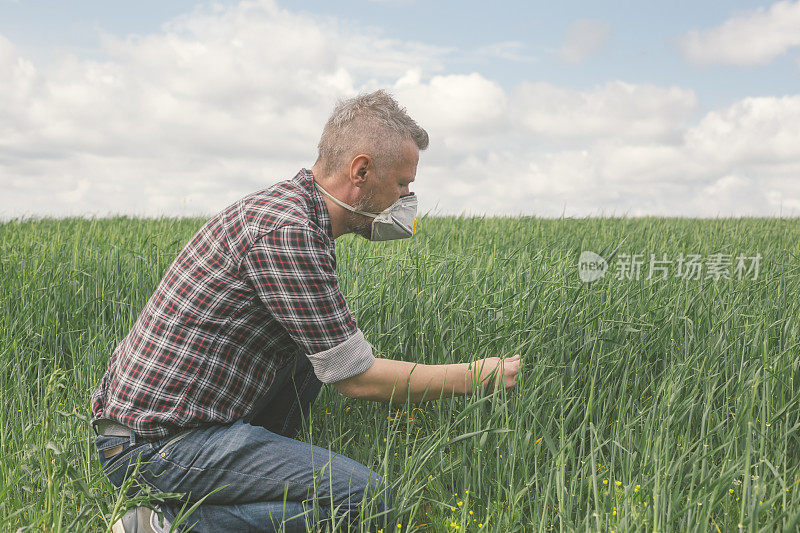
[{"x": 259, "y": 464}]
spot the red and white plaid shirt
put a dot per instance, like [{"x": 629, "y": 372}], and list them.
[{"x": 255, "y": 285}]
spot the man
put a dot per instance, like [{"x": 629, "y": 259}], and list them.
[{"x": 226, "y": 358}]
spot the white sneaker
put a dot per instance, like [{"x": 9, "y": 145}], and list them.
[
  {"x": 159, "y": 525},
  {"x": 140, "y": 520}
]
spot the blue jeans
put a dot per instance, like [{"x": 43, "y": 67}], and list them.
[{"x": 258, "y": 463}]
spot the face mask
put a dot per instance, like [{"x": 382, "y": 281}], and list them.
[{"x": 398, "y": 221}]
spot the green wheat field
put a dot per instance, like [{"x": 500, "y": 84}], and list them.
[{"x": 643, "y": 404}]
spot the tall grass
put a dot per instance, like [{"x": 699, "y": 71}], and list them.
[{"x": 653, "y": 405}]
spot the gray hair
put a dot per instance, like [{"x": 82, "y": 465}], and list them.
[{"x": 371, "y": 123}]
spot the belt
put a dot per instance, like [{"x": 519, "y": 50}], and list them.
[{"x": 104, "y": 426}]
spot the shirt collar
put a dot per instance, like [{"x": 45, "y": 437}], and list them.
[{"x": 319, "y": 208}]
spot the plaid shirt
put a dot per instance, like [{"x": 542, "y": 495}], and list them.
[{"x": 255, "y": 285}]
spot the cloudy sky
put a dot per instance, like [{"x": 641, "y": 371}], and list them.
[{"x": 583, "y": 108}]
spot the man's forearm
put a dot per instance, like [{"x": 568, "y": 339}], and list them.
[{"x": 415, "y": 382}]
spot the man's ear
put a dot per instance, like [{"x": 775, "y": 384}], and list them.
[{"x": 358, "y": 169}]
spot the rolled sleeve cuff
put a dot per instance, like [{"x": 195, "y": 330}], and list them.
[{"x": 344, "y": 360}]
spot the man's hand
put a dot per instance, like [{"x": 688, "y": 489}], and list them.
[{"x": 506, "y": 371}]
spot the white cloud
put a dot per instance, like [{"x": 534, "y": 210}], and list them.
[
  {"x": 454, "y": 104},
  {"x": 616, "y": 109},
  {"x": 231, "y": 97},
  {"x": 614, "y": 149},
  {"x": 762, "y": 130},
  {"x": 584, "y": 38},
  {"x": 225, "y": 101},
  {"x": 752, "y": 38},
  {"x": 734, "y": 194}
]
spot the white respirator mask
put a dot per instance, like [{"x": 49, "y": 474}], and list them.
[{"x": 398, "y": 221}]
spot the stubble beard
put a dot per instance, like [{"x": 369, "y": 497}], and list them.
[
  {"x": 364, "y": 225},
  {"x": 365, "y": 230}
]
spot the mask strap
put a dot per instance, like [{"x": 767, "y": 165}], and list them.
[{"x": 323, "y": 191}]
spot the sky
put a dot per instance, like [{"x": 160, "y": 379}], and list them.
[{"x": 616, "y": 108}]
